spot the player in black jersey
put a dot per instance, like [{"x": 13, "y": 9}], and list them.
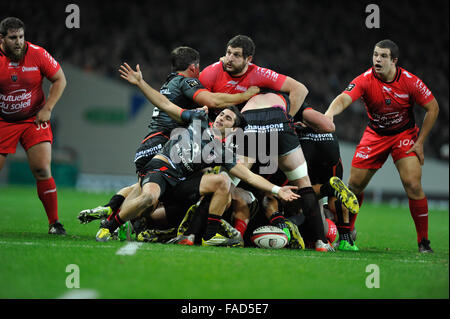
[
  {"x": 183, "y": 88},
  {"x": 189, "y": 150}
]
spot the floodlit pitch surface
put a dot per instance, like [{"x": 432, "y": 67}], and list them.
[{"x": 37, "y": 265}]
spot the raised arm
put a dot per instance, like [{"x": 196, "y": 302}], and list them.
[{"x": 156, "y": 98}]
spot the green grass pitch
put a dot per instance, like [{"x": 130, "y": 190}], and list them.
[{"x": 35, "y": 264}]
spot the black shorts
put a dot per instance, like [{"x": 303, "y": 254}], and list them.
[
  {"x": 174, "y": 186},
  {"x": 322, "y": 155},
  {"x": 268, "y": 133},
  {"x": 149, "y": 147}
]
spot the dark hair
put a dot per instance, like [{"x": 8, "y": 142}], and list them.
[
  {"x": 11, "y": 23},
  {"x": 389, "y": 44},
  {"x": 244, "y": 42},
  {"x": 182, "y": 57},
  {"x": 240, "y": 120}
]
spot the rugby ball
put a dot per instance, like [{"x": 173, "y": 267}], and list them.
[{"x": 269, "y": 237}]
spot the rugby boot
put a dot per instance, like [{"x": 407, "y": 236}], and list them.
[
  {"x": 56, "y": 229},
  {"x": 88, "y": 215},
  {"x": 345, "y": 195},
  {"x": 322, "y": 247},
  {"x": 103, "y": 235},
  {"x": 424, "y": 246},
  {"x": 220, "y": 240},
  {"x": 296, "y": 241},
  {"x": 183, "y": 240},
  {"x": 184, "y": 225},
  {"x": 156, "y": 235},
  {"x": 232, "y": 233}
]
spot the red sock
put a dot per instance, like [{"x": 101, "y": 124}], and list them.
[
  {"x": 352, "y": 217},
  {"x": 47, "y": 194},
  {"x": 240, "y": 225},
  {"x": 419, "y": 213}
]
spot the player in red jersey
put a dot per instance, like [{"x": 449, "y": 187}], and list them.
[
  {"x": 235, "y": 74},
  {"x": 389, "y": 93},
  {"x": 24, "y": 111}
]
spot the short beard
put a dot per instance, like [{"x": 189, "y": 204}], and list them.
[
  {"x": 236, "y": 70},
  {"x": 12, "y": 55}
]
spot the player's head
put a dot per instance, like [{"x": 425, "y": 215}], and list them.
[
  {"x": 12, "y": 36},
  {"x": 229, "y": 117},
  {"x": 385, "y": 56},
  {"x": 186, "y": 58},
  {"x": 239, "y": 52}
]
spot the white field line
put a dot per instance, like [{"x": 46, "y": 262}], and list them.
[
  {"x": 129, "y": 249},
  {"x": 253, "y": 251},
  {"x": 80, "y": 294}
]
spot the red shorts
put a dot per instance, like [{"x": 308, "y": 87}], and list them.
[
  {"x": 373, "y": 149},
  {"x": 26, "y": 132}
]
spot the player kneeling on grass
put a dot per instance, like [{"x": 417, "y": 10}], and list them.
[{"x": 189, "y": 150}]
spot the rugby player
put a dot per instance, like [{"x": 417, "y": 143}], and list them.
[
  {"x": 389, "y": 93},
  {"x": 183, "y": 88},
  {"x": 189, "y": 150},
  {"x": 25, "y": 112}
]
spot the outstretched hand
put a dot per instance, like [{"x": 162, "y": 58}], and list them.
[
  {"x": 287, "y": 194},
  {"x": 127, "y": 73}
]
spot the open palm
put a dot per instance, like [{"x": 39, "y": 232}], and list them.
[{"x": 127, "y": 73}]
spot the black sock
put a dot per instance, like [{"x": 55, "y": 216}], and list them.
[
  {"x": 311, "y": 210},
  {"x": 326, "y": 190},
  {"x": 213, "y": 226},
  {"x": 277, "y": 219},
  {"x": 115, "y": 202},
  {"x": 113, "y": 223}
]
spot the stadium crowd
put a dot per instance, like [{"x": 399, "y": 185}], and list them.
[{"x": 320, "y": 45}]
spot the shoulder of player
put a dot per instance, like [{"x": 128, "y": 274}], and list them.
[{"x": 35, "y": 49}]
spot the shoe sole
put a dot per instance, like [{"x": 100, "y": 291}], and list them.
[
  {"x": 347, "y": 197},
  {"x": 87, "y": 217},
  {"x": 296, "y": 241}
]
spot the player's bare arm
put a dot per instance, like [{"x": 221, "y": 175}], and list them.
[
  {"x": 339, "y": 104},
  {"x": 318, "y": 121},
  {"x": 297, "y": 94},
  {"x": 432, "y": 111},
  {"x": 222, "y": 100},
  {"x": 285, "y": 193},
  {"x": 56, "y": 90},
  {"x": 159, "y": 100}
]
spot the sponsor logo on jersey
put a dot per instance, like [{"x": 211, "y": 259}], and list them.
[
  {"x": 350, "y": 87},
  {"x": 15, "y": 101},
  {"x": 28, "y": 69},
  {"x": 269, "y": 74},
  {"x": 192, "y": 82}
]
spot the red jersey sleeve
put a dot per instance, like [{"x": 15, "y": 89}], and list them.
[
  {"x": 356, "y": 88},
  {"x": 47, "y": 64},
  {"x": 209, "y": 75},
  {"x": 418, "y": 90},
  {"x": 267, "y": 78}
]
